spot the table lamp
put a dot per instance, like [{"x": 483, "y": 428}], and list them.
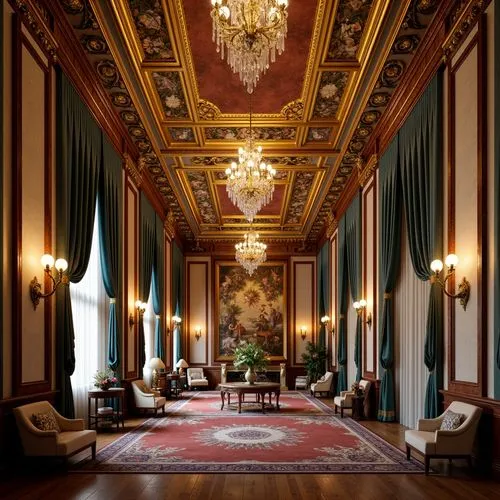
[
  {"x": 181, "y": 364},
  {"x": 156, "y": 364}
]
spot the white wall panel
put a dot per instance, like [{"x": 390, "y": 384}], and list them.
[
  {"x": 303, "y": 290},
  {"x": 197, "y": 273}
]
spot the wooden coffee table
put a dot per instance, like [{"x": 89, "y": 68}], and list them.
[{"x": 242, "y": 388}]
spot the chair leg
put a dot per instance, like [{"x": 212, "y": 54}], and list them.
[
  {"x": 93, "y": 447},
  {"x": 341, "y": 412},
  {"x": 163, "y": 409},
  {"x": 335, "y": 409},
  {"x": 427, "y": 462},
  {"x": 408, "y": 452}
]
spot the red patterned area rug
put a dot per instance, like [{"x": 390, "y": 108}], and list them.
[{"x": 196, "y": 437}]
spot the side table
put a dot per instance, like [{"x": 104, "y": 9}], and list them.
[
  {"x": 357, "y": 407},
  {"x": 112, "y": 393}
]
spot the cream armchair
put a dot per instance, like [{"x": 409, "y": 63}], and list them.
[
  {"x": 433, "y": 442},
  {"x": 71, "y": 439},
  {"x": 324, "y": 384},
  {"x": 345, "y": 399},
  {"x": 146, "y": 399},
  {"x": 195, "y": 378}
]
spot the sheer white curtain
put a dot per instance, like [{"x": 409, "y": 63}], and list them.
[
  {"x": 149, "y": 332},
  {"x": 90, "y": 305},
  {"x": 411, "y": 302}
]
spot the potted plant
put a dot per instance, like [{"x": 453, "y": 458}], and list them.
[
  {"x": 315, "y": 359},
  {"x": 252, "y": 356}
]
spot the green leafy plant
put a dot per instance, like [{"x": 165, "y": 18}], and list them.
[
  {"x": 315, "y": 358},
  {"x": 251, "y": 355}
]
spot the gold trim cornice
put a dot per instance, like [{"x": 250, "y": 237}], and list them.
[
  {"x": 463, "y": 26},
  {"x": 365, "y": 172},
  {"x": 208, "y": 110},
  {"x": 169, "y": 224},
  {"x": 332, "y": 224},
  {"x": 134, "y": 172},
  {"x": 33, "y": 20}
]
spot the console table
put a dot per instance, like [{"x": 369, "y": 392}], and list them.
[
  {"x": 273, "y": 374},
  {"x": 96, "y": 395},
  {"x": 242, "y": 388}
]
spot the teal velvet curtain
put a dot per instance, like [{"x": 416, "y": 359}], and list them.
[
  {"x": 109, "y": 198},
  {"x": 158, "y": 287},
  {"x": 147, "y": 255},
  {"x": 177, "y": 294},
  {"x": 353, "y": 250},
  {"x": 342, "y": 307},
  {"x": 79, "y": 148},
  {"x": 420, "y": 152},
  {"x": 323, "y": 292},
  {"x": 389, "y": 261},
  {"x": 496, "y": 181}
]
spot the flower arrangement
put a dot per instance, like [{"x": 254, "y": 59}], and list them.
[
  {"x": 251, "y": 355},
  {"x": 357, "y": 389},
  {"x": 104, "y": 379},
  {"x": 315, "y": 360}
]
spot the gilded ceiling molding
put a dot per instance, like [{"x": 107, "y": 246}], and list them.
[
  {"x": 332, "y": 224},
  {"x": 463, "y": 26},
  {"x": 134, "y": 172},
  {"x": 208, "y": 110},
  {"x": 33, "y": 17},
  {"x": 293, "y": 110},
  {"x": 366, "y": 171},
  {"x": 169, "y": 224}
]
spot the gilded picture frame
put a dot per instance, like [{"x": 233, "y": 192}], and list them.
[{"x": 250, "y": 309}]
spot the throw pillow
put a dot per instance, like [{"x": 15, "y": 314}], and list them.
[
  {"x": 46, "y": 422},
  {"x": 452, "y": 421}
]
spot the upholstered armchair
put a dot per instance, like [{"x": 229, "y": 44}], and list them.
[
  {"x": 195, "y": 378},
  {"x": 451, "y": 435},
  {"x": 147, "y": 399},
  {"x": 324, "y": 384},
  {"x": 345, "y": 399},
  {"x": 65, "y": 438}
]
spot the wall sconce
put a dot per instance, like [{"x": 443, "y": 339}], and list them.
[
  {"x": 303, "y": 332},
  {"x": 140, "y": 308},
  {"x": 48, "y": 263},
  {"x": 197, "y": 333},
  {"x": 451, "y": 262},
  {"x": 324, "y": 321},
  {"x": 360, "y": 306},
  {"x": 176, "y": 320}
]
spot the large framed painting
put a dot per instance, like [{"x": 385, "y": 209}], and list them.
[{"x": 250, "y": 309}]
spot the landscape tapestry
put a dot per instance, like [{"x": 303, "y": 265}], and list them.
[{"x": 250, "y": 309}]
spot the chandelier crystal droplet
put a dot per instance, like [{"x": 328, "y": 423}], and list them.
[
  {"x": 250, "y": 253},
  {"x": 249, "y": 33}
]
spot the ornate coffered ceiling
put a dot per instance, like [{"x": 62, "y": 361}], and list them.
[{"x": 314, "y": 110}]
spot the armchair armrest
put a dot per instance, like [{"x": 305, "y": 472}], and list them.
[
  {"x": 428, "y": 424},
  {"x": 67, "y": 424},
  {"x": 344, "y": 393}
]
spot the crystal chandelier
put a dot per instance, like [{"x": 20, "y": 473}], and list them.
[
  {"x": 250, "y": 183},
  {"x": 251, "y": 31},
  {"x": 250, "y": 253}
]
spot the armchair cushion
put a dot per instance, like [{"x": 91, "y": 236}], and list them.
[
  {"x": 452, "y": 421},
  {"x": 45, "y": 421}
]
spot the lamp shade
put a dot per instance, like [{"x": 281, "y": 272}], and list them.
[
  {"x": 182, "y": 364},
  {"x": 156, "y": 364}
]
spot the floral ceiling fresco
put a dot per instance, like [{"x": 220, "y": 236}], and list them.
[
  {"x": 182, "y": 134},
  {"x": 151, "y": 29},
  {"x": 171, "y": 93},
  {"x": 331, "y": 90},
  {"x": 348, "y": 29}
]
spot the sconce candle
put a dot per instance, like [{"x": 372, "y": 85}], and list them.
[
  {"x": 360, "y": 306},
  {"x": 451, "y": 262},
  {"x": 197, "y": 333},
  {"x": 303, "y": 332},
  {"x": 48, "y": 263}
]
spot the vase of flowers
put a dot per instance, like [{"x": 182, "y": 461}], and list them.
[
  {"x": 357, "y": 389},
  {"x": 104, "y": 379},
  {"x": 253, "y": 357}
]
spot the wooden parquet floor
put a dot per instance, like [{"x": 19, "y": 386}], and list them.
[{"x": 38, "y": 482}]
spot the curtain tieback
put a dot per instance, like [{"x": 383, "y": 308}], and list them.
[
  {"x": 157, "y": 316},
  {"x": 112, "y": 301},
  {"x": 387, "y": 295}
]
